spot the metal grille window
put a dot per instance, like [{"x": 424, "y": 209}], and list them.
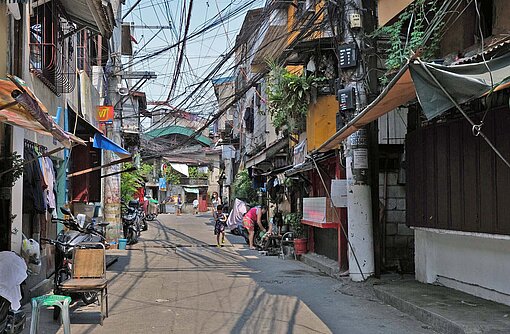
[
  {"x": 52, "y": 48},
  {"x": 83, "y": 51},
  {"x": 91, "y": 50}
]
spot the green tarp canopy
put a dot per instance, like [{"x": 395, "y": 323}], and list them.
[
  {"x": 463, "y": 82},
  {"x": 179, "y": 130}
]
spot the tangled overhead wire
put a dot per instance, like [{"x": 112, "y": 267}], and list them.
[{"x": 301, "y": 30}]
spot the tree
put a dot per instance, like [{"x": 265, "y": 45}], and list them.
[
  {"x": 243, "y": 187},
  {"x": 195, "y": 173},
  {"x": 132, "y": 181},
  {"x": 172, "y": 177}
]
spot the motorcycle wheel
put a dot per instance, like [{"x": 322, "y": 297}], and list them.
[
  {"x": 89, "y": 297},
  {"x": 131, "y": 237}
]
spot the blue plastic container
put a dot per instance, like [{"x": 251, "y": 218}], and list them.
[{"x": 122, "y": 243}]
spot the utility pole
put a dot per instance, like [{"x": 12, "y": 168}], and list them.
[
  {"x": 359, "y": 197},
  {"x": 111, "y": 184}
]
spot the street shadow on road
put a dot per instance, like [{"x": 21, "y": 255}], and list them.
[{"x": 271, "y": 295}]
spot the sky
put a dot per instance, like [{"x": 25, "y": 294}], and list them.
[{"x": 202, "y": 52}]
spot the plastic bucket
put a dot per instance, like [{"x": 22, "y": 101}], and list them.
[
  {"x": 300, "y": 246},
  {"x": 122, "y": 243}
]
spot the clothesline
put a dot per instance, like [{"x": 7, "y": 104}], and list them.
[{"x": 47, "y": 154}]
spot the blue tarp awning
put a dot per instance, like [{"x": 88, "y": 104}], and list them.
[{"x": 104, "y": 143}]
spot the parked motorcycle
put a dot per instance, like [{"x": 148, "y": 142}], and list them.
[
  {"x": 64, "y": 246},
  {"x": 13, "y": 271},
  {"x": 130, "y": 224},
  {"x": 151, "y": 216},
  {"x": 142, "y": 218}
]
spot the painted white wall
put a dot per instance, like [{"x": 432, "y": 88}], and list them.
[
  {"x": 18, "y": 135},
  {"x": 475, "y": 263}
]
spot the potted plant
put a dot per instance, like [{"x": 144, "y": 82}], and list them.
[{"x": 298, "y": 229}]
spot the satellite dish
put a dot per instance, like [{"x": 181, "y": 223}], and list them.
[{"x": 123, "y": 91}]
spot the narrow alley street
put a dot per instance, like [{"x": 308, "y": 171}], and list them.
[{"x": 176, "y": 281}]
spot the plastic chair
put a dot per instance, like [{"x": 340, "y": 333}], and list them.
[{"x": 47, "y": 301}]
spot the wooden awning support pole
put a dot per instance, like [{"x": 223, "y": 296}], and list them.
[
  {"x": 92, "y": 169},
  {"x": 47, "y": 154}
]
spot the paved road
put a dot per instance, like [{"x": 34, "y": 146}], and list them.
[{"x": 173, "y": 281}]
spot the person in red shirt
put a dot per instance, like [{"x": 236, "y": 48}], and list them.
[{"x": 252, "y": 217}]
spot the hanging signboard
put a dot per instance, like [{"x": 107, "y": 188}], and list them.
[
  {"x": 105, "y": 114},
  {"x": 162, "y": 184},
  {"x": 339, "y": 193},
  {"x": 300, "y": 153}
]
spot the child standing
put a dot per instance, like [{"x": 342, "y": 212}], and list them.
[
  {"x": 179, "y": 204},
  {"x": 219, "y": 226}
]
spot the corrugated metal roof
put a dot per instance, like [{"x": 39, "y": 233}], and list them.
[
  {"x": 92, "y": 14},
  {"x": 492, "y": 45}
]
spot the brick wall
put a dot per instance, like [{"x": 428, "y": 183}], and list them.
[{"x": 398, "y": 253}]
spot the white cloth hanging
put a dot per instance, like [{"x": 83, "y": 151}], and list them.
[
  {"x": 13, "y": 271},
  {"x": 235, "y": 217},
  {"x": 50, "y": 178}
]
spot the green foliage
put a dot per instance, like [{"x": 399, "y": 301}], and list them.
[
  {"x": 172, "y": 177},
  {"x": 288, "y": 98},
  {"x": 14, "y": 162},
  {"x": 409, "y": 33},
  {"x": 242, "y": 187},
  {"x": 131, "y": 181},
  {"x": 294, "y": 221},
  {"x": 194, "y": 173}
]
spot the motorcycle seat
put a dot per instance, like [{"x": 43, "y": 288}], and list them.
[{"x": 103, "y": 224}]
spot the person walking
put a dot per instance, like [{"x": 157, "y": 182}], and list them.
[
  {"x": 252, "y": 217},
  {"x": 195, "y": 206},
  {"x": 215, "y": 200},
  {"x": 219, "y": 225},
  {"x": 179, "y": 204}
]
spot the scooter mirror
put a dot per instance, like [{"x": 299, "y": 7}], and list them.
[{"x": 66, "y": 211}]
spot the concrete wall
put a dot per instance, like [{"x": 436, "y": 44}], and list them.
[
  {"x": 399, "y": 239},
  {"x": 501, "y": 19},
  {"x": 4, "y": 35},
  {"x": 475, "y": 263}
]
